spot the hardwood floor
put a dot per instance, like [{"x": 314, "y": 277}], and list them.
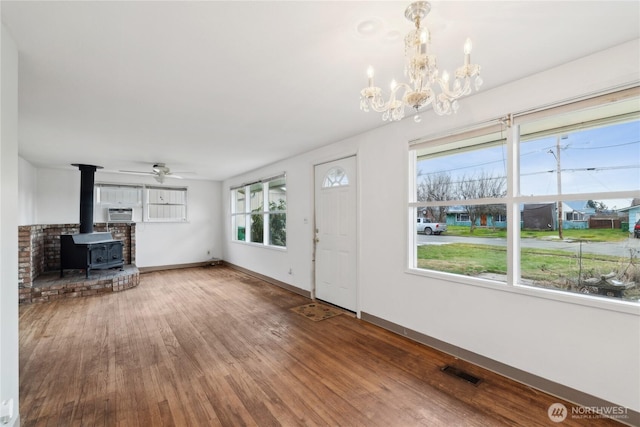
[{"x": 215, "y": 347}]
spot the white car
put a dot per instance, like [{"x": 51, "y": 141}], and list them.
[{"x": 429, "y": 226}]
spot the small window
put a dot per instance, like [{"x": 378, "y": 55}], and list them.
[
  {"x": 108, "y": 195},
  {"x": 166, "y": 204},
  {"x": 335, "y": 177},
  {"x": 262, "y": 217}
]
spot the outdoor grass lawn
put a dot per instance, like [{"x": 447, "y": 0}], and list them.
[
  {"x": 592, "y": 235},
  {"x": 549, "y": 268}
]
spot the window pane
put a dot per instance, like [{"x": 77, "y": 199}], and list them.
[
  {"x": 239, "y": 227},
  {"x": 118, "y": 195},
  {"x": 468, "y": 240},
  {"x": 167, "y": 204},
  {"x": 599, "y": 159},
  {"x": 597, "y": 254},
  {"x": 239, "y": 197},
  {"x": 464, "y": 174},
  {"x": 277, "y": 195},
  {"x": 335, "y": 177},
  {"x": 257, "y": 228},
  {"x": 278, "y": 229},
  {"x": 257, "y": 201}
]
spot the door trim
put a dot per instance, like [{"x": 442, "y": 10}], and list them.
[{"x": 358, "y": 222}]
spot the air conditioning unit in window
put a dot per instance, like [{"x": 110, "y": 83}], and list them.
[{"x": 120, "y": 214}]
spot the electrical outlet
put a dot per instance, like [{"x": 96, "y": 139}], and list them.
[
  {"x": 290, "y": 271},
  {"x": 208, "y": 252},
  {"x": 6, "y": 411}
]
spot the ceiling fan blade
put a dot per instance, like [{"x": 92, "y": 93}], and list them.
[{"x": 137, "y": 172}]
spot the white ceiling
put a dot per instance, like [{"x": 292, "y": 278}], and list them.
[{"x": 222, "y": 87}]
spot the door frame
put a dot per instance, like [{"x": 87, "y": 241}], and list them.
[{"x": 358, "y": 222}]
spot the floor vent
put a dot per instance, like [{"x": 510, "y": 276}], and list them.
[{"x": 461, "y": 374}]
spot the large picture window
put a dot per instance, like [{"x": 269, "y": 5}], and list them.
[
  {"x": 545, "y": 200},
  {"x": 259, "y": 212},
  {"x": 462, "y": 186}
]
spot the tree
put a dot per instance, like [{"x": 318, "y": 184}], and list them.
[
  {"x": 436, "y": 187},
  {"x": 257, "y": 225},
  {"x": 598, "y": 206},
  {"x": 277, "y": 224},
  {"x": 481, "y": 185}
]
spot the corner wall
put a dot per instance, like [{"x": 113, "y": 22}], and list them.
[
  {"x": 158, "y": 244},
  {"x": 9, "y": 225},
  {"x": 558, "y": 340}
]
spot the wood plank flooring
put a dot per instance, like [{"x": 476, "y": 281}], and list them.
[{"x": 215, "y": 347}]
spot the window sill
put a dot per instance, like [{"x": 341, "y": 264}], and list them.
[
  {"x": 261, "y": 245},
  {"x": 600, "y": 302}
]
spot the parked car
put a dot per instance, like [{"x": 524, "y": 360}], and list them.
[
  {"x": 429, "y": 226},
  {"x": 636, "y": 230}
]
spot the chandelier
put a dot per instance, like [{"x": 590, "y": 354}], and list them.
[{"x": 422, "y": 70}]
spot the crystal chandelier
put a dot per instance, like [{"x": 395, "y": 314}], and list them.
[{"x": 422, "y": 70}]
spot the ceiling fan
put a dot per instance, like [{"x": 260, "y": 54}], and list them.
[{"x": 160, "y": 171}]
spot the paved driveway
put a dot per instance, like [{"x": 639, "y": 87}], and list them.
[{"x": 625, "y": 248}]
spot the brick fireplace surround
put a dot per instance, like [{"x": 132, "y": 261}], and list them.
[{"x": 39, "y": 264}]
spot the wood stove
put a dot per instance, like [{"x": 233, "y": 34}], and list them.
[{"x": 88, "y": 250}]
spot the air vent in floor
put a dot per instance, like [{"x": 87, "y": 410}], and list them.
[{"x": 461, "y": 374}]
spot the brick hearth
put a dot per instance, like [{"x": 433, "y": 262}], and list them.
[
  {"x": 39, "y": 255},
  {"x": 50, "y": 286}
]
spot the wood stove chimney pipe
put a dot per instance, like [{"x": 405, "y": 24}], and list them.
[{"x": 87, "y": 179}]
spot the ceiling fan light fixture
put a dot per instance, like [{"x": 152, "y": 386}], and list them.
[
  {"x": 159, "y": 171},
  {"x": 424, "y": 77},
  {"x": 160, "y": 168}
]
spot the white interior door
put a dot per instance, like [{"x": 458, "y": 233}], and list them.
[{"x": 336, "y": 245}]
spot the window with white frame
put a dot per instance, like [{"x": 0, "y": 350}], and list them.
[
  {"x": 259, "y": 212},
  {"x": 166, "y": 204},
  {"x": 158, "y": 204},
  {"x": 118, "y": 195},
  {"x": 512, "y": 185},
  {"x": 462, "y": 183}
]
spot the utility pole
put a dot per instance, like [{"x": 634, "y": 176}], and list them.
[
  {"x": 559, "y": 179},
  {"x": 559, "y": 182}
]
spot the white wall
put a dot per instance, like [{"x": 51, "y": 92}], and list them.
[
  {"x": 157, "y": 244},
  {"x": 9, "y": 225},
  {"x": 27, "y": 188},
  {"x": 591, "y": 349}
]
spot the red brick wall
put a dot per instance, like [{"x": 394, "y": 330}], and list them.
[{"x": 39, "y": 247}]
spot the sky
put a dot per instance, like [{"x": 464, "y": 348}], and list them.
[{"x": 602, "y": 159}]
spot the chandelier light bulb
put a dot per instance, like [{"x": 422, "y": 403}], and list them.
[
  {"x": 467, "y": 46},
  {"x": 426, "y": 85}
]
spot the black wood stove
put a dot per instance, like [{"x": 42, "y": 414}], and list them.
[{"x": 89, "y": 250}]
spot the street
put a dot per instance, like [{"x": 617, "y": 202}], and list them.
[{"x": 624, "y": 248}]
